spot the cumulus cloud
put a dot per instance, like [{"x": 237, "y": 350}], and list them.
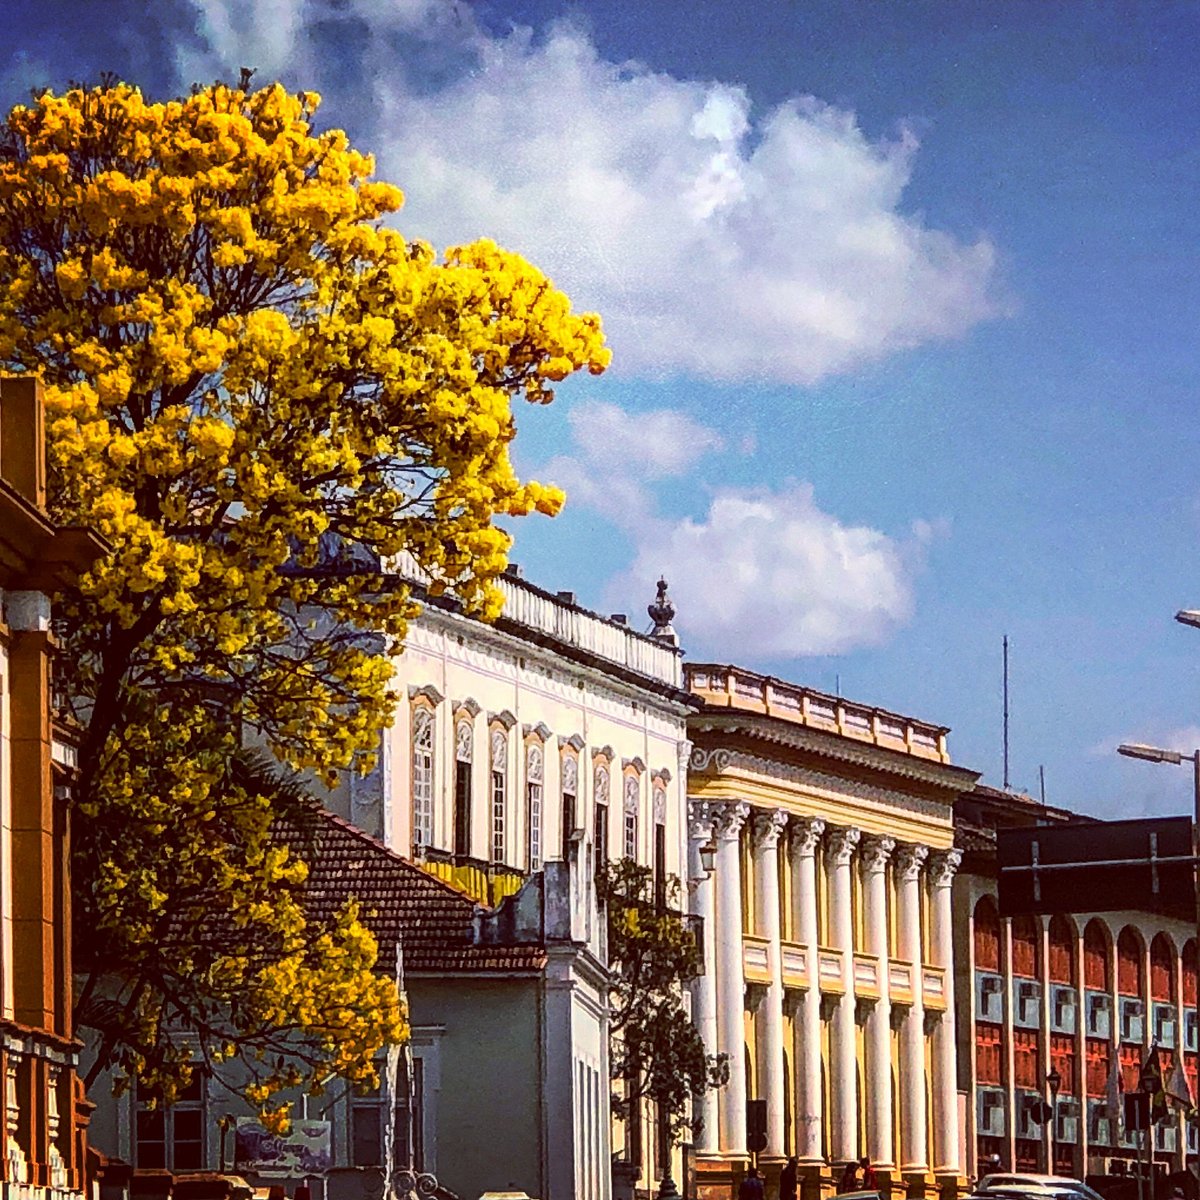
[
  {"x": 716, "y": 240},
  {"x": 763, "y": 571},
  {"x": 772, "y": 574}
]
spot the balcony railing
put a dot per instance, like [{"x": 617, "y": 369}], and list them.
[
  {"x": 560, "y": 618},
  {"x": 486, "y": 883},
  {"x": 818, "y": 710}
]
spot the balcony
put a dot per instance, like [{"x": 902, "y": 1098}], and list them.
[
  {"x": 795, "y": 965},
  {"x": 933, "y": 987},
  {"x": 738, "y": 688},
  {"x": 900, "y": 980},
  {"x": 755, "y": 963},
  {"x": 485, "y": 882},
  {"x": 866, "y": 975},
  {"x": 559, "y": 619}
]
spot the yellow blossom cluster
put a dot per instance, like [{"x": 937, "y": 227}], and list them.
[{"x": 260, "y": 393}]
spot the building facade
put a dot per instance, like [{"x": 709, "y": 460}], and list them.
[
  {"x": 503, "y": 1085},
  {"x": 42, "y": 1135},
  {"x": 1070, "y": 992},
  {"x": 828, "y": 978},
  {"x": 554, "y": 735}
]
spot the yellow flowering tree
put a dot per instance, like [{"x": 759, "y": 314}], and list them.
[{"x": 260, "y": 394}]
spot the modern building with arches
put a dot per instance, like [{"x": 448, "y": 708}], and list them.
[{"x": 1072, "y": 992}]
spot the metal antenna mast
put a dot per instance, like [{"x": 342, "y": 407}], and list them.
[{"x": 1006, "y": 712}]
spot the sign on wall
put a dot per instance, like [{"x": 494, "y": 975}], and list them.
[
  {"x": 1101, "y": 866},
  {"x": 306, "y": 1149}
]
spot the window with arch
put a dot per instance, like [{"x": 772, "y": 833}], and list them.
[
  {"x": 570, "y": 800},
  {"x": 533, "y": 804},
  {"x": 1095, "y": 957},
  {"x": 1025, "y": 935},
  {"x": 1189, "y": 973},
  {"x": 1162, "y": 969},
  {"x": 659, "y": 810},
  {"x": 422, "y": 778},
  {"x": 1129, "y": 963},
  {"x": 1062, "y": 950},
  {"x": 987, "y": 935},
  {"x": 632, "y": 798},
  {"x": 464, "y": 754},
  {"x": 600, "y": 825},
  {"x": 499, "y": 770}
]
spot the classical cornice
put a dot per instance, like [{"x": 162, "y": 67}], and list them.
[{"x": 770, "y": 731}]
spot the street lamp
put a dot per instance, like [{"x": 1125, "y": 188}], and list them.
[
  {"x": 1189, "y": 616},
  {"x": 1054, "y": 1082}
]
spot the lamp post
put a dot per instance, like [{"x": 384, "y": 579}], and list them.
[
  {"x": 1185, "y": 616},
  {"x": 1054, "y": 1082}
]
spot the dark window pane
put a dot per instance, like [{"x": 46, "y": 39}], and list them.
[
  {"x": 365, "y": 1134},
  {"x": 151, "y": 1149},
  {"x": 194, "y": 1092}
]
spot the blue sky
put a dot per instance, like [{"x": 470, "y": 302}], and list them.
[{"x": 905, "y": 305}]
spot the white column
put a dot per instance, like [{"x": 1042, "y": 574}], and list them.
[
  {"x": 767, "y": 828},
  {"x": 909, "y": 860},
  {"x": 805, "y": 836},
  {"x": 945, "y": 1059},
  {"x": 873, "y": 856},
  {"x": 843, "y": 1117},
  {"x": 704, "y": 986},
  {"x": 731, "y": 1030}
]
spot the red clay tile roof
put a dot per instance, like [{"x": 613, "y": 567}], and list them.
[{"x": 399, "y": 901}]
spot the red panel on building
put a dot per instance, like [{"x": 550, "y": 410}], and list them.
[
  {"x": 1095, "y": 957},
  {"x": 1129, "y": 963},
  {"x": 1062, "y": 1058},
  {"x": 1162, "y": 970},
  {"x": 1097, "y": 1066},
  {"x": 1131, "y": 1066},
  {"x": 987, "y": 935},
  {"x": 989, "y": 1066},
  {"x": 1189, "y": 974},
  {"x": 1025, "y": 937},
  {"x": 1025, "y": 1059},
  {"x": 1062, "y": 951}
]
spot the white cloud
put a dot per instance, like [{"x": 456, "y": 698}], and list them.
[
  {"x": 715, "y": 241},
  {"x": 768, "y": 573},
  {"x": 764, "y": 573}
]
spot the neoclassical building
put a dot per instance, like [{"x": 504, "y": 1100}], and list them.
[
  {"x": 553, "y": 734},
  {"x": 828, "y": 977},
  {"x": 1068, "y": 992}
]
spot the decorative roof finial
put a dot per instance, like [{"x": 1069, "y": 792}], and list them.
[{"x": 662, "y": 611}]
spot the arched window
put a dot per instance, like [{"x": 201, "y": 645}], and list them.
[
  {"x": 1189, "y": 973},
  {"x": 1025, "y": 935},
  {"x": 533, "y": 804},
  {"x": 600, "y": 824},
  {"x": 570, "y": 802},
  {"x": 632, "y": 790},
  {"x": 464, "y": 753},
  {"x": 1162, "y": 969},
  {"x": 499, "y": 765},
  {"x": 659, "y": 808},
  {"x": 422, "y": 778},
  {"x": 1062, "y": 950},
  {"x": 1095, "y": 957},
  {"x": 987, "y": 935},
  {"x": 1129, "y": 963}
]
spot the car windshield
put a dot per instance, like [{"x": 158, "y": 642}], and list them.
[{"x": 1050, "y": 1185}]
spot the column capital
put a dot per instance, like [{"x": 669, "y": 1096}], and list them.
[
  {"x": 840, "y": 844},
  {"x": 942, "y": 867},
  {"x": 910, "y": 860},
  {"x": 701, "y": 820},
  {"x": 805, "y": 833},
  {"x": 874, "y": 853},
  {"x": 729, "y": 818},
  {"x": 684, "y": 753},
  {"x": 767, "y": 827}
]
